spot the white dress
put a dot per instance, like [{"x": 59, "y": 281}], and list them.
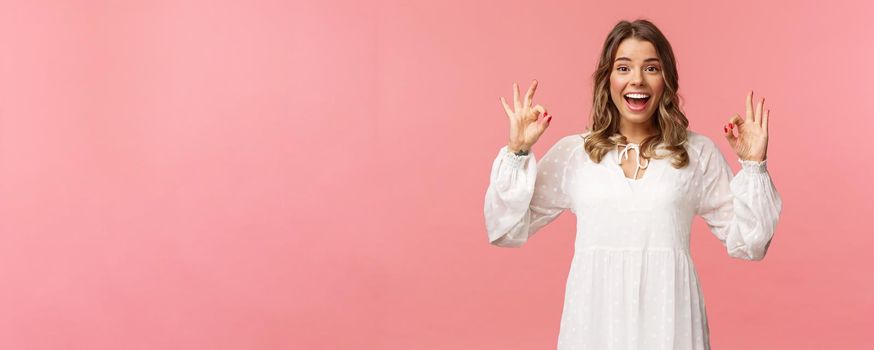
[{"x": 632, "y": 284}]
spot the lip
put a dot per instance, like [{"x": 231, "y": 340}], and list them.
[{"x": 641, "y": 109}]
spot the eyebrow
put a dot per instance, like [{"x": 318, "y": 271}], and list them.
[{"x": 646, "y": 60}]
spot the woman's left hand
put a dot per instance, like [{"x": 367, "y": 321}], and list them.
[{"x": 751, "y": 142}]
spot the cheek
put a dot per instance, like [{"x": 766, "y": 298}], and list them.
[
  {"x": 615, "y": 81},
  {"x": 615, "y": 85},
  {"x": 657, "y": 83}
]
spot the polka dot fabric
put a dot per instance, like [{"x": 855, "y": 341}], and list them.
[{"x": 632, "y": 283}]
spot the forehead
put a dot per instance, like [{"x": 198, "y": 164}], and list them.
[{"x": 636, "y": 49}]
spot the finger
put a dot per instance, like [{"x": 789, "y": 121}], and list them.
[
  {"x": 750, "y": 106},
  {"x": 545, "y": 120},
  {"x": 765, "y": 121},
  {"x": 734, "y": 122},
  {"x": 758, "y": 115},
  {"x": 729, "y": 135},
  {"x": 507, "y": 107},
  {"x": 538, "y": 112},
  {"x": 516, "y": 103},
  {"x": 530, "y": 95}
]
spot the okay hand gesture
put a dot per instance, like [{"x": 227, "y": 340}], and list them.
[
  {"x": 751, "y": 142},
  {"x": 527, "y": 122}
]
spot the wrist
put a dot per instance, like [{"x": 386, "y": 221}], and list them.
[{"x": 519, "y": 150}]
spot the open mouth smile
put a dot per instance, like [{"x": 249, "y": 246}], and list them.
[{"x": 636, "y": 102}]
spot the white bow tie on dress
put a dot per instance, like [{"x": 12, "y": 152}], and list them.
[{"x": 624, "y": 152}]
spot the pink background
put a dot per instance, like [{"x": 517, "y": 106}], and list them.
[{"x": 310, "y": 175}]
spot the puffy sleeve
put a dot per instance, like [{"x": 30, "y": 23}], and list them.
[
  {"x": 525, "y": 194},
  {"x": 741, "y": 210}
]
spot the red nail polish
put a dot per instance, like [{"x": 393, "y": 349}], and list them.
[
  {"x": 731, "y": 126},
  {"x": 548, "y": 120},
  {"x": 724, "y": 129}
]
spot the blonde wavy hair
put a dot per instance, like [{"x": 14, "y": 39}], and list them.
[{"x": 669, "y": 120}]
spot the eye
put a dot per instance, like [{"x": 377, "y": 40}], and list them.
[
  {"x": 655, "y": 69},
  {"x": 620, "y": 68}
]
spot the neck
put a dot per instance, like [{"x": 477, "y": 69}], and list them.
[{"x": 636, "y": 132}]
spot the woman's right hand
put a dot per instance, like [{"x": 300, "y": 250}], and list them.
[{"x": 527, "y": 122}]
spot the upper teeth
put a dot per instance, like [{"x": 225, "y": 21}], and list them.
[{"x": 637, "y": 95}]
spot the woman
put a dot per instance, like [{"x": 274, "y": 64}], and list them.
[{"x": 635, "y": 179}]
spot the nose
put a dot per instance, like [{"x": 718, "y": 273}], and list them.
[{"x": 637, "y": 78}]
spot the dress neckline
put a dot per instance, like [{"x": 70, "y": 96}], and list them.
[
  {"x": 636, "y": 187},
  {"x": 624, "y": 152}
]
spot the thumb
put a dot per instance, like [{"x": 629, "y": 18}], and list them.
[
  {"x": 729, "y": 135},
  {"x": 736, "y": 120},
  {"x": 542, "y": 123},
  {"x": 545, "y": 120}
]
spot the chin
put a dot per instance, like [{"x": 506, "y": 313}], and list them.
[{"x": 638, "y": 118}]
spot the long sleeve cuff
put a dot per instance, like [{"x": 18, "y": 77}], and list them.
[
  {"x": 754, "y": 166},
  {"x": 514, "y": 161}
]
